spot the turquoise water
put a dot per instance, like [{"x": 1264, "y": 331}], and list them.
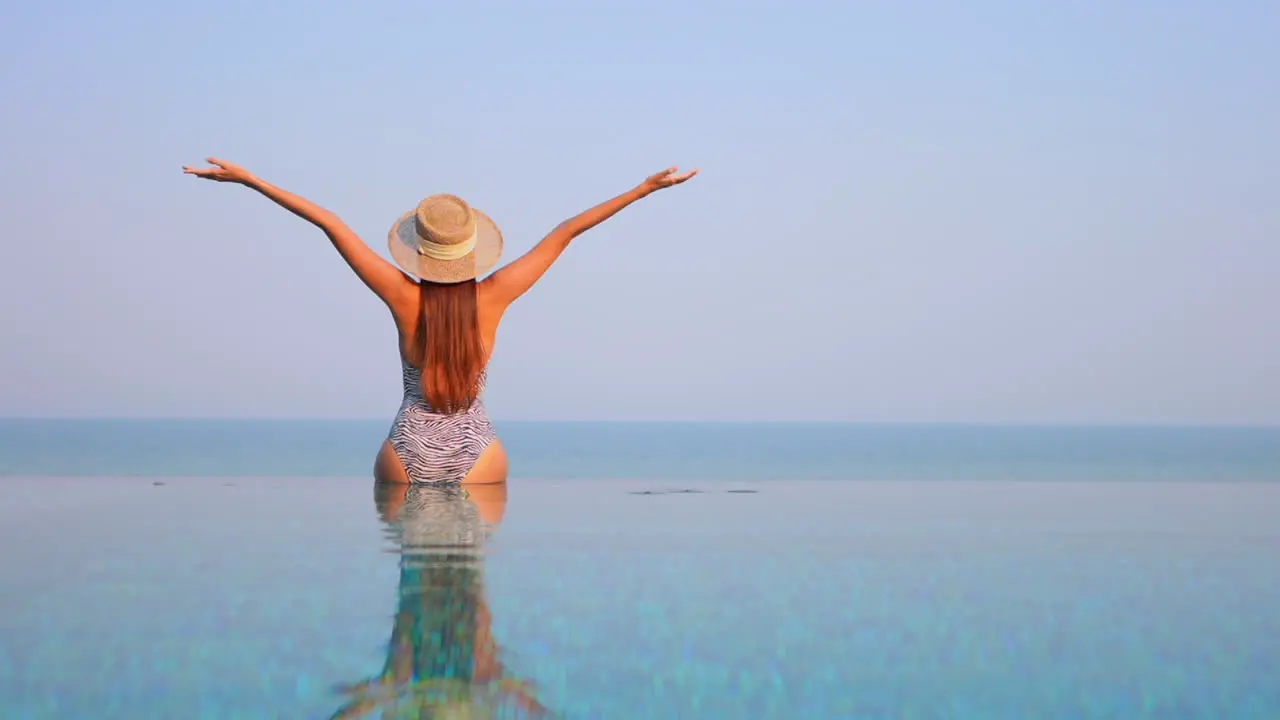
[
  {"x": 250, "y": 570},
  {"x": 695, "y": 451},
  {"x": 268, "y": 598}
]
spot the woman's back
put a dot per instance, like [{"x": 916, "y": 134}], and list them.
[{"x": 436, "y": 446}]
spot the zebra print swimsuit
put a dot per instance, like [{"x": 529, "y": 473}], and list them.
[{"x": 434, "y": 447}]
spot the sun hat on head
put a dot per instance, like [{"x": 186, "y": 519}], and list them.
[{"x": 445, "y": 240}]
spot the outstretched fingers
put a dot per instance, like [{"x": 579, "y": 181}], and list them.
[
  {"x": 661, "y": 175},
  {"x": 212, "y": 173},
  {"x": 221, "y": 170},
  {"x": 667, "y": 178},
  {"x": 677, "y": 179}
]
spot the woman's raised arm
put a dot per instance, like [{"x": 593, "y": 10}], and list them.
[
  {"x": 395, "y": 288},
  {"x": 515, "y": 279}
]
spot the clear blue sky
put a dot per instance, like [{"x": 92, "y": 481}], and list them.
[{"x": 913, "y": 211}]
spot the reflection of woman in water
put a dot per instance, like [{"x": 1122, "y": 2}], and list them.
[{"x": 442, "y": 659}]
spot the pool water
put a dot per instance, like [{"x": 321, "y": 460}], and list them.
[{"x": 311, "y": 598}]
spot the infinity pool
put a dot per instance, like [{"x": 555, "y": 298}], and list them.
[{"x": 272, "y": 598}]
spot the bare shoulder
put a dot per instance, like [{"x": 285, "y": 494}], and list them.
[
  {"x": 405, "y": 303},
  {"x": 490, "y": 308},
  {"x": 406, "y": 293},
  {"x": 490, "y": 300}
]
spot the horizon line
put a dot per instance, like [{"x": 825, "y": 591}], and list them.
[{"x": 1171, "y": 424}]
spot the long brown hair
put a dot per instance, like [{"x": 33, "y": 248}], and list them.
[{"x": 448, "y": 347}]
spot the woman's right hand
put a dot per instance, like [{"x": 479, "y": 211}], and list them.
[
  {"x": 222, "y": 171},
  {"x": 664, "y": 179}
]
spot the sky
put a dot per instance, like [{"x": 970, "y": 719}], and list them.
[{"x": 920, "y": 211}]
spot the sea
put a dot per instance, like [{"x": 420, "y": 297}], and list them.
[
  {"x": 252, "y": 569},
  {"x": 656, "y": 451}
]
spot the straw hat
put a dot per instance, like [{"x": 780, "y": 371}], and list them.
[{"x": 445, "y": 240}]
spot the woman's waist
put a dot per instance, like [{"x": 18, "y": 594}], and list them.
[{"x": 421, "y": 409}]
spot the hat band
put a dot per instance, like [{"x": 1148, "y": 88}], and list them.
[{"x": 439, "y": 251}]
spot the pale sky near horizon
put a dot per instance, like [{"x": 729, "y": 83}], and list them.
[{"x": 1062, "y": 211}]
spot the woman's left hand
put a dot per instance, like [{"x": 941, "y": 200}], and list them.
[{"x": 222, "y": 171}]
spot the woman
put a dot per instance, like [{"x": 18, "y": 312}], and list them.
[{"x": 446, "y": 317}]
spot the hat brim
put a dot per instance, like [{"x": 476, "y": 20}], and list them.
[{"x": 403, "y": 243}]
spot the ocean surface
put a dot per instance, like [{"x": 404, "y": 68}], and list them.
[
  {"x": 655, "y": 451},
  {"x": 253, "y": 570}
]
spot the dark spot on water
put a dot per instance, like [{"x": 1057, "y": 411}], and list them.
[
  {"x": 665, "y": 492},
  {"x": 157, "y": 483},
  {"x": 743, "y": 492},
  {"x": 228, "y": 484}
]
